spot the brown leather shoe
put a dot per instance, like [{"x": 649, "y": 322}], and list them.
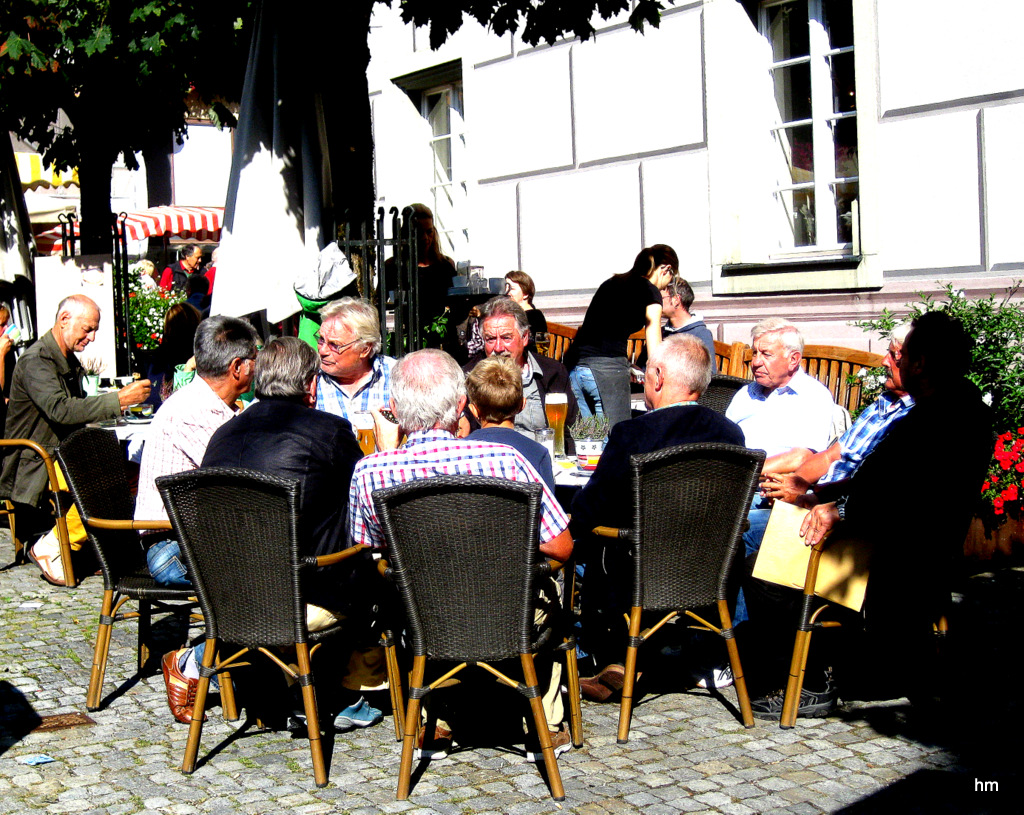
[
  {"x": 181, "y": 692},
  {"x": 602, "y": 687}
]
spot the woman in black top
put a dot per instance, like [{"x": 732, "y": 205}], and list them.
[
  {"x": 623, "y": 304},
  {"x": 519, "y": 287}
]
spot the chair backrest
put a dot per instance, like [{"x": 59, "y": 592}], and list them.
[
  {"x": 635, "y": 345},
  {"x": 721, "y": 391},
  {"x": 560, "y": 338},
  {"x": 94, "y": 465},
  {"x": 832, "y": 366},
  {"x": 690, "y": 503},
  {"x": 238, "y": 531},
  {"x": 464, "y": 549}
]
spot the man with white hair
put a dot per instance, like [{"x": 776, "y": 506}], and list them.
[
  {"x": 428, "y": 395},
  {"x": 354, "y": 376}
]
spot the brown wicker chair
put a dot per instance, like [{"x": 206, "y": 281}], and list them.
[
  {"x": 721, "y": 391},
  {"x": 689, "y": 510},
  {"x": 465, "y": 560},
  {"x": 93, "y": 463},
  {"x": 60, "y": 504},
  {"x": 239, "y": 533}
]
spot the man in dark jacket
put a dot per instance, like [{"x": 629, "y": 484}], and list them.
[
  {"x": 506, "y": 331},
  {"x": 47, "y": 405},
  {"x": 678, "y": 372},
  {"x": 176, "y": 275}
]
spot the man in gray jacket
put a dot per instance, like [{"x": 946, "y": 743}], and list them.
[{"x": 47, "y": 404}]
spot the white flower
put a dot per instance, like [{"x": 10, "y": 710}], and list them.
[
  {"x": 863, "y": 372},
  {"x": 987, "y": 398}
]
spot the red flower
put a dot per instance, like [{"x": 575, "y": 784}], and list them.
[
  {"x": 1020, "y": 467},
  {"x": 1005, "y": 463},
  {"x": 998, "y": 502},
  {"x": 997, "y": 511},
  {"x": 1010, "y": 493},
  {"x": 985, "y": 486}
]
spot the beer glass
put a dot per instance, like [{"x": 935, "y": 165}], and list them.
[{"x": 556, "y": 406}]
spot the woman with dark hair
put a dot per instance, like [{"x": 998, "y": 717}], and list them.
[
  {"x": 623, "y": 304},
  {"x": 519, "y": 286},
  {"x": 176, "y": 347}
]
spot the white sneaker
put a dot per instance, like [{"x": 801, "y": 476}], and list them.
[{"x": 722, "y": 678}]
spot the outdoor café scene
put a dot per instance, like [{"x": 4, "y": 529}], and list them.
[{"x": 513, "y": 497}]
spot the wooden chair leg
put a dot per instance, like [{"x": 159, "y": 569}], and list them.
[
  {"x": 316, "y": 748},
  {"x": 228, "y": 704},
  {"x": 65, "y": 552},
  {"x": 19, "y": 546},
  {"x": 540, "y": 722},
  {"x": 195, "y": 730},
  {"x": 797, "y": 665},
  {"x": 99, "y": 656},
  {"x": 572, "y": 673},
  {"x": 412, "y": 723},
  {"x": 394, "y": 683},
  {"x": 629, "y": 680},
  {"x": 145, "y": 618},
  {"x": 739, "y": 680}
]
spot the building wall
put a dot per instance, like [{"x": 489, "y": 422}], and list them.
[{"x": 577, "y": 155}]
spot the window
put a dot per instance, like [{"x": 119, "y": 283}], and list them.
[
  {"x": 815, "y": 122},
  {"x": 442, "y": 108}
]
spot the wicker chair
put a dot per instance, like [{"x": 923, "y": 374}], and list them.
[
  {"x": 465, "y": 560},
  {"x": 721, "y": 391},
  {"x": 239, "y": 533},
  {"x": 689, "y": 508},
  {"x": 93, "y": 463},
  {"x": 59, "y": 505}
]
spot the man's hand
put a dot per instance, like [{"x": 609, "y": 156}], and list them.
[
  {"x": 5, "y": 345},
  {"x": 387, "y": 433},
  {"x": 786, "y": 487},
  {"x": 135, "y": 393},
  {"x": 819, "y": 523}
]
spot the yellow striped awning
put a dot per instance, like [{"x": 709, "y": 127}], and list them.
[{"x": 34, "y": 175}]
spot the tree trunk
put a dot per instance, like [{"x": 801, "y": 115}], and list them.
[{"x": 94, "y": 170}]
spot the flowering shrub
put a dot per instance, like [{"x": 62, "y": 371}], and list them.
[
  {"x": 146, "y": 311},
  {"x": 997, "y": 368}
]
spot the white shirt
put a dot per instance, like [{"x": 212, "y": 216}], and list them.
[{"x": 797, "y": 414}]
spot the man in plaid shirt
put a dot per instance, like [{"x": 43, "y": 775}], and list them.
[
  {"x": 354, "y": 376},
  {"x": 428, "y": 395}
]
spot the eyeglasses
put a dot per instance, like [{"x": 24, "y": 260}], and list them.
[
  {"x": 895, "y": 356},
  {"x": 333, "y": 346}
]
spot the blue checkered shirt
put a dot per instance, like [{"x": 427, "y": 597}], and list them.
[
  {"x": 376, "y": 393},
  {"x": 866, "y": 432},
  {"x": 429, "y": 453}
]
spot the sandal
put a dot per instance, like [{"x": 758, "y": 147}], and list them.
[
  {"x": 44, "y": 563},
  {"x": 600, "y": 688}
]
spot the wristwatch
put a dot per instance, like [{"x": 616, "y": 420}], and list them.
[{"x": 841, "y": 507}]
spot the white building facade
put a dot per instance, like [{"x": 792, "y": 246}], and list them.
[{"x": 815, "y": 159}]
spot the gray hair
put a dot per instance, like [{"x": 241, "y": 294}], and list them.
[
  {"x": 75, "y": 304},
  {"x": 899, "y": 333},
  {"x": 685, "y": 361},
  {"x": 219, "y": 341},
  {"x": 426, "y": 387},
  {"x": 503, "y": 306},
  {"x": 789, "y": 335},
  {"x": 359, "y": 316},
  {"x": 284, "y": 369}
]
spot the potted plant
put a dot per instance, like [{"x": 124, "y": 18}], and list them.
[
  {"x": 997, "y": 368},
  {"x": 92, "y": 367},
  {"x": 147, "y": 309},
  {"x": 590, "y": 435}
]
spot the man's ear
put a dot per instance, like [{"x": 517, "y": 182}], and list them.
[{"x": 474, "y": 411}]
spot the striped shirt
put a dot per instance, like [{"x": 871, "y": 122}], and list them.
[
  {"x": 430, "y": 453},
  {"x": 375, "y": 393},
  {"x": 866, "y": 432}
]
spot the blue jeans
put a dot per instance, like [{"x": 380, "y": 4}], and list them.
[
  {"x": 584, "y": 388},
  {"x": 758, "y": 518},
  {"x": 166, "y": 564}
]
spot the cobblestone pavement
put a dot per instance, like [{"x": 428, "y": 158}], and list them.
[{"x": 686, "y": 753}]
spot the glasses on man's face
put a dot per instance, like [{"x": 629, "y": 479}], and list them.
[
  {"x": 334, "y": 347},
  {"x": 894, "y": 355}
]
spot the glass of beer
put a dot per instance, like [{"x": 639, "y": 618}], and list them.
[{"x": 556, "y": 406}]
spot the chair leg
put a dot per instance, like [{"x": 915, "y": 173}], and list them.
[
  {"x": 228, "y": 704},
  {"x": 394, "y": 683},
  {"x": 795, "y": 681},
  {"x": 99, "y": 656},
  {"x": 145, "y": 618},
  {"x": 540, "y": 722},
  {"x": 65, "y": 552},
  {"x": 739, "y": 680},
  {"x": 412, "y": 723},
  {"x": 316, "y": 748},
  {"x": 629, "y": 680},
  {"x": 195, "y": 730},
  {"x": 19, "y": 547},
  {"x": 572, "y": 672}
]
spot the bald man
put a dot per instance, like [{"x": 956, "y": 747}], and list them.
[{"x": 47, "y": 404}]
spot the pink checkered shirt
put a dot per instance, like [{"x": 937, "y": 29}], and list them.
[
  {"x": 177, "y": 441},
  {"x": 430, "y": 453}
]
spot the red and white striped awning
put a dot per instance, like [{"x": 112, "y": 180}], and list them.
[{"x": 192, "y": 223}]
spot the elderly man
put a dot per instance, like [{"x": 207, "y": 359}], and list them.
[
  {"x": 784, "y": 412},
  {"x": 428, "y": 396},
  {"x": 176, "y": 275},
  {"x": 917, "y": 531},
  {"x": 506, "y": 331},
  {"x": 677, "y": 373},
  {"x": 676, "y": 302},
  {"x": 841, "y": 460},
  {"x": 47, "y": 404},
  {"x": 280, "y": 434},
  {"x": 354, "y": 376}
]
